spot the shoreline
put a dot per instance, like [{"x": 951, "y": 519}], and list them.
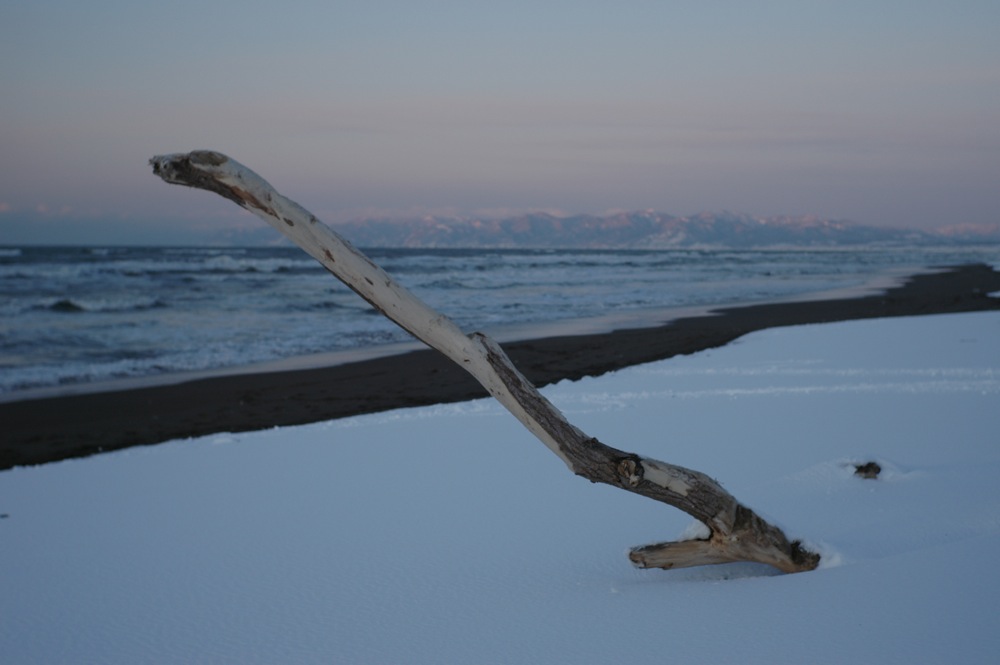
[
  {"x": 504, "y": 334},
  {"x": 42, "y": 430}
]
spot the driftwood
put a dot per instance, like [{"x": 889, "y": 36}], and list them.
[{"x": 736, "y": 532}]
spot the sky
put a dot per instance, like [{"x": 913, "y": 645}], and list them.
[{"x": 882, "y": 112}]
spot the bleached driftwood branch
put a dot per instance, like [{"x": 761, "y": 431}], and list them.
[{"x": 737, "y": 533}]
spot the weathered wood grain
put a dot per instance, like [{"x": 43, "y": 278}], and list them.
[{"x": 736, "y": 532}]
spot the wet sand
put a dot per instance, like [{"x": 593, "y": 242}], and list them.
[{"x": 37, "y": 431}]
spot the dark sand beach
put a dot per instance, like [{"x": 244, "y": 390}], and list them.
[{"x": 37, "y": 431}]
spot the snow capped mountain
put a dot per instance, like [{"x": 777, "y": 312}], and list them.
[{"x": 645, "y": 229}]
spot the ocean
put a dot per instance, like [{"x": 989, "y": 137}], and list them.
[{"x": 75, "y": 317}]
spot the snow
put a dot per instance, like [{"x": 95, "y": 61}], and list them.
[{"x": 449, "y": 535}]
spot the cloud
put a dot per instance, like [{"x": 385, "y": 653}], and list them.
[{"x": 4, "y": 207}]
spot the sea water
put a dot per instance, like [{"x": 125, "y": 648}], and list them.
[{"x": 74, "y": 316}]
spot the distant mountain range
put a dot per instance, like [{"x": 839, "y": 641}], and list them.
[{"x": 646, "y": 230}]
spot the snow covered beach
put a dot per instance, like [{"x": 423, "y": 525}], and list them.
[{"x": 343, "y": 541}]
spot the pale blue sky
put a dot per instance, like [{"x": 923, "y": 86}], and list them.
[{"x": 884, "y": 112}]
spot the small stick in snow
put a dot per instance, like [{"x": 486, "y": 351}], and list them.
[{"x": 736, "y": 532}]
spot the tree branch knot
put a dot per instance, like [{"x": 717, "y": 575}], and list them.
[{"x": 630, "y": 471}]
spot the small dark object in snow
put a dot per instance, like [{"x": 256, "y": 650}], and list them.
[{"x": 868, "y": 470}]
